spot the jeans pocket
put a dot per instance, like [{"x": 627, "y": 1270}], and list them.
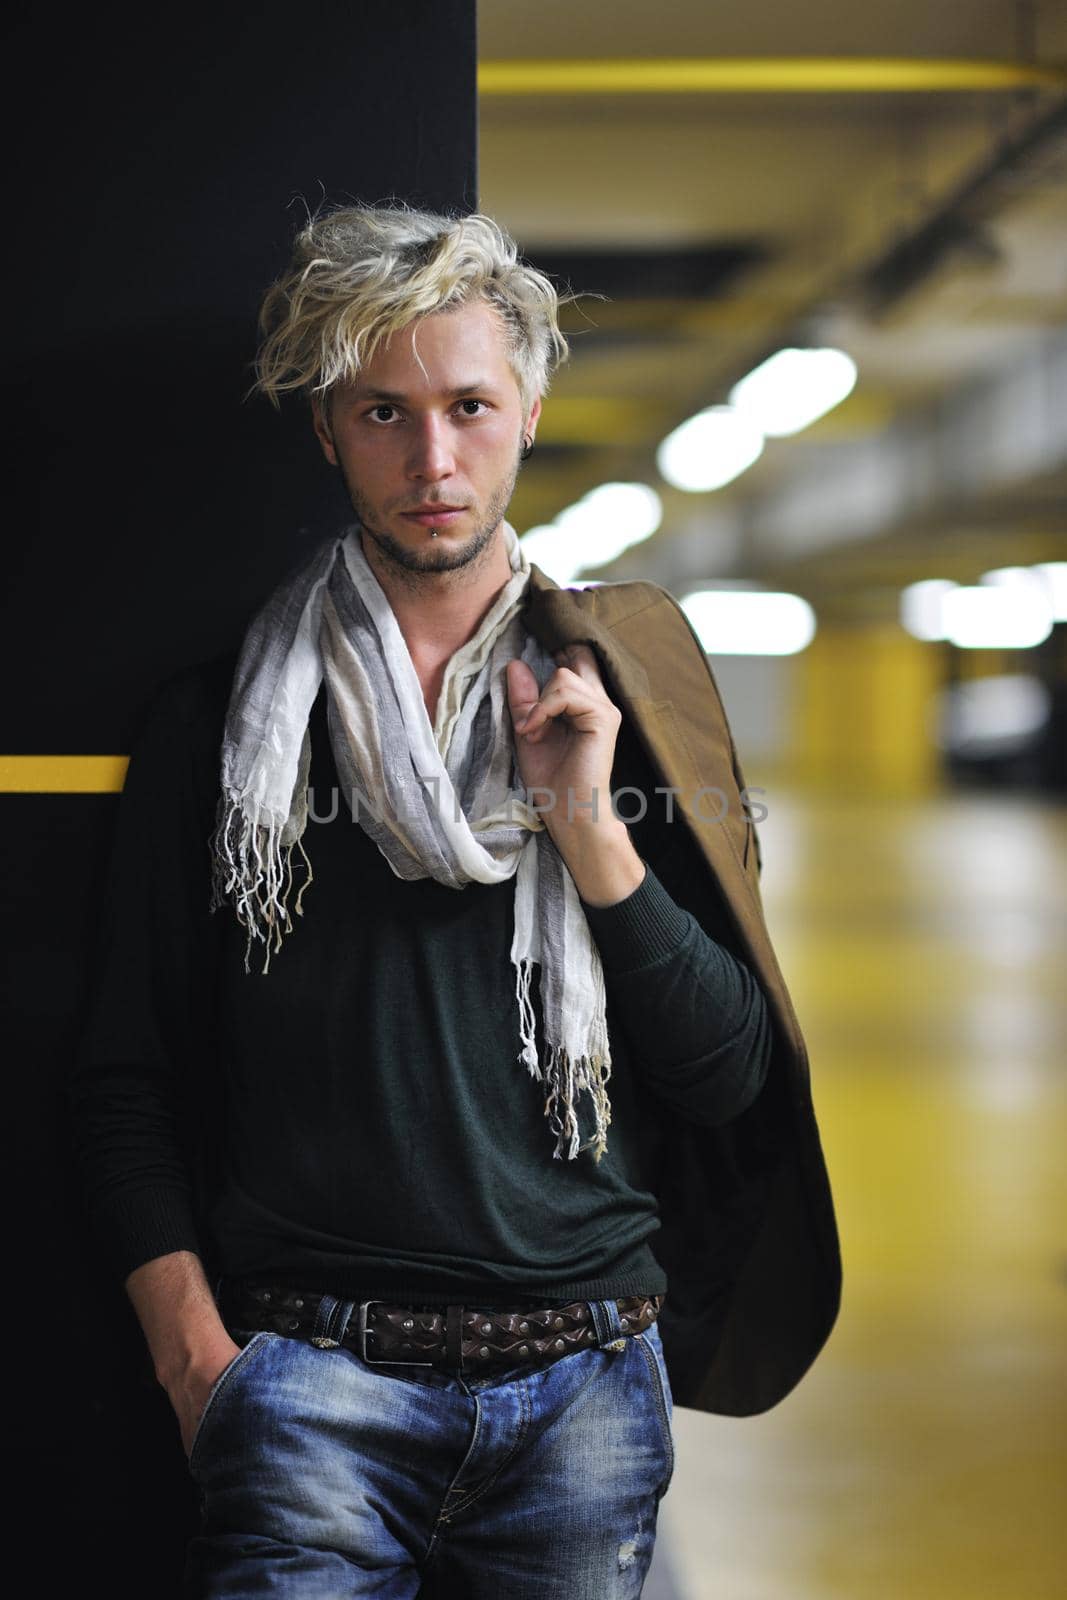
[
  {"x": 222, "y": 1385},
  {"x": 652, "y": 1350}
]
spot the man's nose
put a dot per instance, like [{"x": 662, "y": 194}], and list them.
[{"x": 431, "y": 450}]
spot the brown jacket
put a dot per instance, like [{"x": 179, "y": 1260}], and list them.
[{"x": 748, "y": 1236}]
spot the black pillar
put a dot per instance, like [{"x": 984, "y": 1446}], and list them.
[{"x": 166, "y": 158}]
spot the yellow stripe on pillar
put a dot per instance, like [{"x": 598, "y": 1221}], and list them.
[{"x": 62, "y": 774}]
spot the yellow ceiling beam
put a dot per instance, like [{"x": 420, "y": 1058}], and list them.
[{"x": 762, "y": 75}]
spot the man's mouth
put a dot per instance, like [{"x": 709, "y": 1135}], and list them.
[{"x": 434, "y": 516}]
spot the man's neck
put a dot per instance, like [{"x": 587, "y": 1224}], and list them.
[{"x": 438, "y": 612}]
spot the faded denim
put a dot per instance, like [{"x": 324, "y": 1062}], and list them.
[{"x": 324, "y": 1477}]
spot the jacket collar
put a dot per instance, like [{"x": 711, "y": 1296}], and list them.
[{"x": 558, "y": 617}]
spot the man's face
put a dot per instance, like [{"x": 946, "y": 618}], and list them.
[{"x": 445, "y": 435}]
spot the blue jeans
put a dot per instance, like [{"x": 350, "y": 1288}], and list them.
[{"x": 323, "y": 1476}]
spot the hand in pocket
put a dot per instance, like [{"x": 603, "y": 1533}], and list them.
[{"x": 190, "y": 1391}]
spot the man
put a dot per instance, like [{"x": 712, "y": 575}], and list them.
[{"x": 382, "y": 1150}]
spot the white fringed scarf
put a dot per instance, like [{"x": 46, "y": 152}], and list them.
[{"x": 444, "y": 802}]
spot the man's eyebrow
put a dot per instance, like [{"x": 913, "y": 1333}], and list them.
[{"x": 393, "y": 397}]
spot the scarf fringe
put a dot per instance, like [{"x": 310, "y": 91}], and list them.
[
  {"x": 251, "y": 865},
  {"x": 567, "y": 1081}
]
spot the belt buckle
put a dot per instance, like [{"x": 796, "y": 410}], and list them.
[{"x": 364, "y": 1307}]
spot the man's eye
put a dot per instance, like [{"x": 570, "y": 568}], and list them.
[
  {"x": 465, "y": 403},
  {"x": 376, "y": 413}
]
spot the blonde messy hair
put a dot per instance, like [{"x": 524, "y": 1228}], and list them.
[{"x": 361, "y": 273}]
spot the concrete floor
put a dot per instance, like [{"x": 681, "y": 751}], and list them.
[{"x": 923, "y": 1456}]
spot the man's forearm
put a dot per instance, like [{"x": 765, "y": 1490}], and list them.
[
  {"x": 601, "y": 859},
  {"x": 696, "y": 1019},
  {"x": 176, "y": 1310}
]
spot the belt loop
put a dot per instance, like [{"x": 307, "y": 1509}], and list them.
[
  {"x": 345, "y": 1312},
  {"x": 608, "y": 1324},
  {"x": 322, "y": 1334},
  {"x": 454, "y": 1337}
]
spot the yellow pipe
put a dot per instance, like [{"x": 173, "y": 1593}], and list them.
[
  {"x": 62, "y": 774},
  {"x": 759, "y": 75}
]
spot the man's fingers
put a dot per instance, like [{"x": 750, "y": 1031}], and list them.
[
  {"x": 522, "y": 690},
  {"x": 567, "y": 695},
  {"x": 575, "y": 690},
  {"x": 581, "y": 660}
]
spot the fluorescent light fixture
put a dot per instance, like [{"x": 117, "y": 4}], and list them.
[
  {"x": 1021, "y": 578},
  {"x": 709, "y": 450},
  {"x": 608, "y": 520},
  {"x": 1054, "y": 576},
  {"x": 993, "y": 716},
  {"x": 922, "y": 607},
  {"x": 595, "y": 530},
  {"x": 997, "y": 616},
  {"x": 793, "y": 388},
  {"x": 635, "y": 508},
  {"x": 548, "y": 547},
  {"x": 750, "y": 622},
  {"x": 1046, "y": 581}
]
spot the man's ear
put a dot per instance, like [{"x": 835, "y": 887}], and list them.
[
  {"x": 321, "y": 423},
  {"x": 531, "y": 420}
]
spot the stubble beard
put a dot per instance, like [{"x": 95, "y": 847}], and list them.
[{"x": 412, "y": 566}]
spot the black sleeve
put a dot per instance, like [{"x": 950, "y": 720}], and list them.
[
  {"x": 695, "y": 1018},
  {"x": 146, "y": 1038}
]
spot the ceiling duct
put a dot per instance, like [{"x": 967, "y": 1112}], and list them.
[{"x": 955, "y": 234}]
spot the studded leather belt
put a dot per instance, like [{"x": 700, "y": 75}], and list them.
[{"x": 462, "y": 1338}]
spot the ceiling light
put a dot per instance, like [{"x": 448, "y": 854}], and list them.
[
  {"x": 748, "y": 622},
  {"x": 1021, "y": 578},
  {"x": 709, "y": 450},
  {"x": 608, "y": 520},
  {"x": 793, "y": 388},
  {"x": 1047, "y": 582},
  {"x": 1054, "y": 576},
  {"x": 595, "y": 530},
  {"x": 922, "y": 607},
  {"x": 635, "y": 508},
  {"x": 993, "y": 716},
  {"x": 997, "y": 616},
  {"x": 547, "y": 547}
]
